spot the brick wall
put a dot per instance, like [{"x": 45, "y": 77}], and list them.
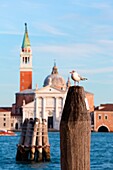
[
  {"x": 20, "y": 97},
  {"x": 25, "y": 80},
  {"x": 103, "y": 118}
]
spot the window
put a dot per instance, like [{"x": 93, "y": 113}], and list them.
[
  {"x": 25, "y": 60},
  {"x": 4, "y": 124},
  {"x": 99, "y": 116},
  {"x": 106, "y": 117},
  {"x": 20, "y": 124},
  {"x": 4, "y": 114},
  {"x": 11, "y": 124},
  {"x": 4, "y": 119}
]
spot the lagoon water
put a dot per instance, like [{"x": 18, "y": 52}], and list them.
[{"x": 101, "y": 153}]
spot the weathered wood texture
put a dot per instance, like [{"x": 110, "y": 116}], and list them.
[
  {"x": 33, "y": 139},
  {"x": 45, "y": 141},
  {"x": 34, "y": 143},
  {"x": 39, "y": 149},
  {"x": 75, "y": 132},
  {"x": 29, "y": 132},
  {"x": 23, "y": 133}
]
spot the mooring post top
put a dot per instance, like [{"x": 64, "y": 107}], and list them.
[
  {"x": 75, "y": 92},
  {"x": 75, "y": 106},
  {"x": 77, "y": 88}
]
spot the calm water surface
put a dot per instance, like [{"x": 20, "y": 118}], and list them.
[{"x": 101, "y": 153}]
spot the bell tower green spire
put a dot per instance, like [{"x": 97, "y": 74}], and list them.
[{"x": 26, "y": 41}]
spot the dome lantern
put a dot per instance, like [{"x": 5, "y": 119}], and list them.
[{"x": 55, "y": 69}]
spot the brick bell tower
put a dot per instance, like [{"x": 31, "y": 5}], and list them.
[{"x": 26, "y": 63}]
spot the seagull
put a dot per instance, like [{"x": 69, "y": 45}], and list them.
[{"x": 76, "y": 77}]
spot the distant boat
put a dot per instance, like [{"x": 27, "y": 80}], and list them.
[{"x": 4, "y": 132}]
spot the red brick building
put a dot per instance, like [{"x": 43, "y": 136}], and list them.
[{"x": 103, "y": 118}]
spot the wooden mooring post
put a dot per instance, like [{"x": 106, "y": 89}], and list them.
[
  {"x": 75, "y": 131},
  {"x": 33, "y": 144},
  {"x": 45, "y": 141}
]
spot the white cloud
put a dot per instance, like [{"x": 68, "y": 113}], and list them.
[
  {"x": 7, "y": 85},
  {"x": 106, "y": 42},
  {"x": 50, "y": 29},
  {"x": 102, "y": 6},
  {"x": 75, "y": 50},
  {"x": 10, "y": 33},
  {"x": 105, "y": 71},
  {"x": 97, "y": 70},
  {"x": 69, "y": 16},
  {"x": 91, "y": 4}
]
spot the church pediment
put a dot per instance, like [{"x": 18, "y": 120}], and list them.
[{"x": 50, "y": 90}]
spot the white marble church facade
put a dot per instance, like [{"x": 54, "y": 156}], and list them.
[{"x": 48, "y": 104}]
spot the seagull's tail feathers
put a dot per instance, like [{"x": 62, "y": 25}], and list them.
[{"x": 84, "y": 78}]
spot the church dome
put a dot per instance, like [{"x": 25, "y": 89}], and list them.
[{"x": 55, "y": 80}]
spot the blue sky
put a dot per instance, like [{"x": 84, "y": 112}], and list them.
[{"x": 78, "y": 34}]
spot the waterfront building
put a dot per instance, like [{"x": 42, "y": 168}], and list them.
[
  {"x": 47, "y": 102},
  {"x": 5, "y": 115},
  {"x": 103, "y": 118}
]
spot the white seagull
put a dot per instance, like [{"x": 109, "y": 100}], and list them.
[{"x": 76, "y": 77}]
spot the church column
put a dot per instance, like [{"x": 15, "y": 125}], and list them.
[
  {"x": 44, "y": 114},
  {"x": 36, "y": 113},
  {"x": 56, "y": 109},
  {"x": 24, "y": 113},
  {"x": 23, "y": 116}
]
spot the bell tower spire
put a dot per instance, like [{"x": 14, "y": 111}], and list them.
[{"x": 26, "y": 63}]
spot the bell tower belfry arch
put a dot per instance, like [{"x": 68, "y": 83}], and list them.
[{"x": 26, "y": 63}]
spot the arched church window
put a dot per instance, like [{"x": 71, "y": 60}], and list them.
[{"x": 25, "y": 60}]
